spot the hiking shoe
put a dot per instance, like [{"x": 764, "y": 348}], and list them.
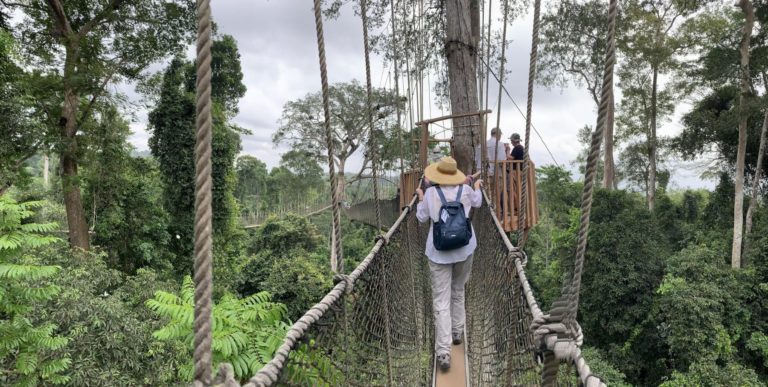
[
  {"x": 457, "y": 338},
  {"x": 444, "y": 361}
]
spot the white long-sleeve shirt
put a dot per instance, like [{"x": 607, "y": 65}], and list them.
[
  {"x": 494, "y": 153},
  {"x": 429, "y": 209}
]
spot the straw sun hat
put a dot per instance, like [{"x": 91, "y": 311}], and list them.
[{"x": 445, "y": 172}]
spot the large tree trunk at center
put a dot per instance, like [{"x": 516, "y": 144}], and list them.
[
  {"x": 738, "y": 202},
  {"x": 652, "y": 142},
  {"x": 460, "y": 51},
  {"x": 78, "y": 227}
]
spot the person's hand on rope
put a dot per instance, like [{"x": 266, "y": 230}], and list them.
[
  {"x": 420, "y": 192},
  {"x": 478, "y": 184}
]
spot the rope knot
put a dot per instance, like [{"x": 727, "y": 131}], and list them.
[
  {"x": 382, "y": 238},
  {"x": 348, "y": 283}
]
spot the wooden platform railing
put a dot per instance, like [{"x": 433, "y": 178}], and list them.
[
  {"x": 506, "y": 188},
  {"x": 409, "y": 181}
]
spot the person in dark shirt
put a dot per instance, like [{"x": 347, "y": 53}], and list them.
[{"x": 518, "y": 151}]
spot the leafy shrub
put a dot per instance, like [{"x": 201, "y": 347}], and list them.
[
  {"x": 28, "y": 349},
  {"x": 102, "y": 312},
  {"x": 246, "y": 332}
]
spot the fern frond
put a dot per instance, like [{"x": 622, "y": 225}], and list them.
[{"x": 27, "y": 272}]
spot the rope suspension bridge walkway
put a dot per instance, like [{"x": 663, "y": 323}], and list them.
[{"x": 375, "y": 327}]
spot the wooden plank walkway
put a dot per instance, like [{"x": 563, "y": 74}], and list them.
[{"x": 456, "y": 376}]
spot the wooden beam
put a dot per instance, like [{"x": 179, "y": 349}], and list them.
[{"x": 460, "y": 115}]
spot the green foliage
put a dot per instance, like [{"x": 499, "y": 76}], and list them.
[
  {"x": 246, "y": 332},
  {"x": 285, "y": 262},
  {"x": 700, "y": 307},
  {"x": 709, "y": 127},
  {"x": 22, "y": 132},
  {"x": 28, "y": 349},
  {"x": 279, "y": 236},
  {"x": 708, "y": 373},
  {"x": 298, "y": 282},
  {"x": 573, "y": 42},
  {"x": 602, "y": 367},
  {"x": 124, "y": 194},
  {"x": 110, "y": 329},
  {"x": 623, "y": 266},
  {"x": 173, "y": 142}
]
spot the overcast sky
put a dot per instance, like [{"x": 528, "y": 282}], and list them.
[{"x": 279, "y": 60}]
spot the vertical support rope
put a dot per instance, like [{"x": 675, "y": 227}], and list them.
[
  {"x": 522, "y": 231},
  {"x": 337, "y": 258},
  {"x": 589, "y": 179},
  {"x": 371, "y": 136},
  {"x": 397, "y": 86},
  {"x": 203, "y": 209},
  {"x": 501, "y": 86}
]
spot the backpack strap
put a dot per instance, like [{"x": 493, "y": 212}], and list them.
[
  {"x": 458, "y": 197},
  {"x": 442, "y": 197}
]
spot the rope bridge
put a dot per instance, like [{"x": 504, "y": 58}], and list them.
[{"x": 375, "y": 327}]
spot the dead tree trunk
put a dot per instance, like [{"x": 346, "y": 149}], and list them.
[{"x": 460, "y": 51}]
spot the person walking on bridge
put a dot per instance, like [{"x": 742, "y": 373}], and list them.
[{"x": 450, "y": 245}]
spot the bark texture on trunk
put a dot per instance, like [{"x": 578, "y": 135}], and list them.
[
  {"x": 651, "y": 195},
  {"x": 78, "y": 227},
  {"x": 462, "y": 78},
  {"x": 755, "y": 185},
  {"x": 738, "y": 202}
]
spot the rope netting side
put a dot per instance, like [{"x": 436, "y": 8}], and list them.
[
  {"x": 501, "y": 309},
  {"x": 500, "y": 343},
  {"x": 385, "y": 304}
]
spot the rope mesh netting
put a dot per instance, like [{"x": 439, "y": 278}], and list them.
[
  {"x": 375, "y": 327},
  {"x": 379, "y": 333}
]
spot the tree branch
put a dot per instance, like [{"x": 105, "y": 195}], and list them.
[
  {"x": 99, "y": 92},
  {"x": 62, "y": 22},
  {"x": 108, "y": 10}
]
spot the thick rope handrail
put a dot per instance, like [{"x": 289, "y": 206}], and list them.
[
  {"x": 203, "y": 196},
  {"x": 522, "y": 231},
  {"x": 337, "y": 253},
  {"x": 369, "y": 107}
]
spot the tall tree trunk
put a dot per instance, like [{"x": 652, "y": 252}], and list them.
[
  {"x": 462, "y": 78},
  {"x": 609, "y": 168},
  {"x": 652, "y": 142},
  {"x": 78, "y": 227},
  {"x": 738, "y": 202},
  {"x": 755, "y": 185},
  {"x": 46, "y": 167}
]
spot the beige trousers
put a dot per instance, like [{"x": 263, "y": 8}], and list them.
[{"x": 448, "y": 300}]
